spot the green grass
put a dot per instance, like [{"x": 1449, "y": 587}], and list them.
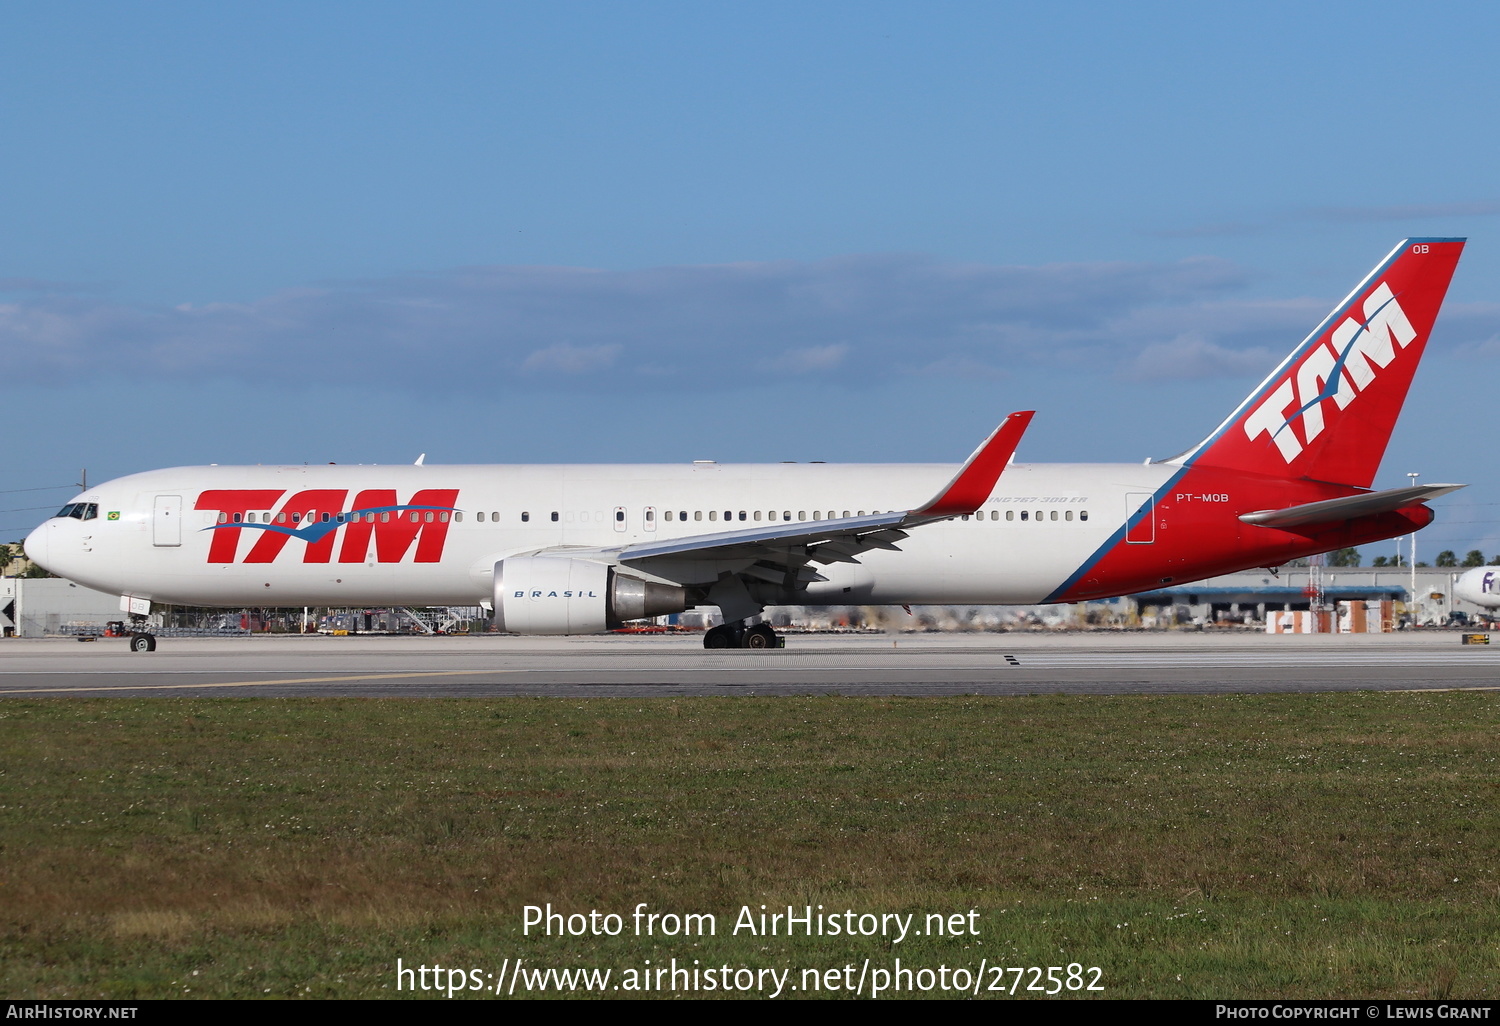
[{"x": 1216, "y": 846}]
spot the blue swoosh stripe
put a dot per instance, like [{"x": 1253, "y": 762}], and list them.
[
  {"x": 319, "y": 529},
  {"x": 1336, "y": 373}
]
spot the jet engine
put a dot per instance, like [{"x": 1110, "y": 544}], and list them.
[{"x": 557, "y": 595}]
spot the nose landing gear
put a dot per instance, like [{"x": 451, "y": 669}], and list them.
[
  {"x": 142, "y": 642},
  {"x": 737, "y": 635}
]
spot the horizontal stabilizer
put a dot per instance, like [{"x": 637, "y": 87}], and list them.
[{"x": 1349, "y": 507}]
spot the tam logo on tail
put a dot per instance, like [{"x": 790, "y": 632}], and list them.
[
  {"x": 1327, "y": 413},
  {"x": 1357, "y": 350}
]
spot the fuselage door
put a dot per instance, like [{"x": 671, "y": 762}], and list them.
[
  {"x": 1140, "y": 512},
  {"x": 619, "y": 518},
  {"x": 166, "y": 520}
]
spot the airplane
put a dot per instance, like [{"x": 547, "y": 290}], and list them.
[
  {"x": 1480, "y": 586},
  {"x": 553, "y": 550}
]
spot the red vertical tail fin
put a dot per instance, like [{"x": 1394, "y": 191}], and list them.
[{"x": 1328, "y": 411}]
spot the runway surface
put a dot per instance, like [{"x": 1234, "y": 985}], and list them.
[{"x": 636, "y": 666}]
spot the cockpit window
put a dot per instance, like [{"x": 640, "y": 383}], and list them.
[{"x": 80, "y": 510}]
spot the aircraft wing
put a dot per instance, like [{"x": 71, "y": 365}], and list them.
[
  {"x": 773, "y": 552},
  {"x": 1350, "y": 507}
]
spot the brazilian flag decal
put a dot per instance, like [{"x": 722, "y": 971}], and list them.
[{"x": 114, "y": 514}]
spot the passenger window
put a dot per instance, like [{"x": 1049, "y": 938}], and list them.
[
  {"x": 442, "y": 517},
  {"x": 802, "y": 514},
  {"x": 328, "y": 516},
  {"x": 846, "y": 514},
  {"x": 1010, "y": 514},
  {"x": 480, "y": 517},
  {"x": 619, "y": 516},
  {"x": 238, "y": 518},
  {"x": 697, "y": 514},
  {"x": 682, "y": 515},
  {"x": 1083, "y": 514},
  {"x": 650, "y": 515},
  {"x": 458, "y": 518},
  {"x": 713, "y": 514},
  {"x": 554, "y": 516},
  {"x": 757, "y": 514},
  {"x": 728, "y": 515},
  {"x": 223, "y": 518},
  {"x": 1023, "y": 514},
  {"x": 668, "y": 514},
  {"x": 743, "y": 517},
  {"x": 817, "y": 515},
  {"x": 1054, "y": 515},
  {"x": 1068, "y": 514}
]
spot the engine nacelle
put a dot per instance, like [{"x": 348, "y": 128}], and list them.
[{"x": 557, "y": 595}]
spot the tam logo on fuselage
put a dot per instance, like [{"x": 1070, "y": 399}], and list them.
[
  {"x": 373, "y": 526},
  {"x": 1336, "y": 368}
]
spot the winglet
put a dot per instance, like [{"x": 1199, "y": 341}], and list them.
[{"x": 974, "y": 482}]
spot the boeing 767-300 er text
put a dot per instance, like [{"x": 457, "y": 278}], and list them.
[{"x": 579, "y": 549}]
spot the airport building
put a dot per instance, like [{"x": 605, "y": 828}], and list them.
[
  {"x": 37, "y": 607},
  {"x": 1251, "y": 595},
  {"x": 33, "y": 607}
]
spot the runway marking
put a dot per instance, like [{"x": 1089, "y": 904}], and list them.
[
  {"x": 1427, "y": 691},
  {"x": 245, "y": 683},
  {"x": 1038, "y": 661},
  {"x": 1050, "y": 661}
]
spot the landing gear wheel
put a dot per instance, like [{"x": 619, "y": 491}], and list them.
[
  {"x": 761, "y": 636},
  {"x": 721, "y": 636},
  {"x": 143, "y": 643}
]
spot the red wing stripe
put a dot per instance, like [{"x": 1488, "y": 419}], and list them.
[{"x": 974, "y": 483}]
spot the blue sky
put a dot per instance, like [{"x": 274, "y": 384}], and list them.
[{"x": 594, "y": 232}]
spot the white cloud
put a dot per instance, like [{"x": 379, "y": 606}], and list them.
[
  {"x": 567, "y": 359},
  {"x": 1193, "y": 356},
  {"x": 813, "y": 358},
  {"x": 485, "y": 328}
]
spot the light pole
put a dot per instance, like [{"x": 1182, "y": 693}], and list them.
[{"x": 1414, "y": 616}]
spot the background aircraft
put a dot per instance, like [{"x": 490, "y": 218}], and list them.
[{"x": 1480, "y": 586}]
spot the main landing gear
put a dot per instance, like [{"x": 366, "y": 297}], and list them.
[
  {"x": 141, "y": 640},
  {"x": 737, "y": 635}
]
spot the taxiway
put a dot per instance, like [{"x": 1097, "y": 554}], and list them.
[{"x": 637, "y": 666}]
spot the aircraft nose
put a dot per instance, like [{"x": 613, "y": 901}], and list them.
[{"x": 36, "y": 545}]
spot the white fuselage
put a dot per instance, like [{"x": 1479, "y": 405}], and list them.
[
  {"x": 1041, "y": 523},
  {"x": 1480, "y": 586}
]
